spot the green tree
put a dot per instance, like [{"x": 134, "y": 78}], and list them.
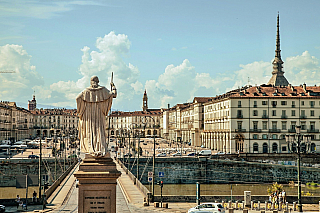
[{"x": 274, "y": 188}]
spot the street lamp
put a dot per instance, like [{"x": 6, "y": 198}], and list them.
[
  {"x": 154, "y": 155},
  {"x": 298, "y": 143}
]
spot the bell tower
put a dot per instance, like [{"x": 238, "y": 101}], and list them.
[{"x": 145, "y": 101}]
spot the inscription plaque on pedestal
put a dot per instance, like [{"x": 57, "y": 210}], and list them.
[{"x": 97, "y": 201}]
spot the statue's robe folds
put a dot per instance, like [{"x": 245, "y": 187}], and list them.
[{"x": 93, "y": 105}]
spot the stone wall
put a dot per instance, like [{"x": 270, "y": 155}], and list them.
[
  {"x": 204, "y": 170},
  {"x": 10, "y": 168}
]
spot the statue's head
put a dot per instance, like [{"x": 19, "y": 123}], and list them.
[{"x": 94, "y": 81}]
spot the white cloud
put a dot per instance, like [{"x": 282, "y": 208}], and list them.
[
  {"x": 301, "y": 69},
  {"x": 39, "y": 9},
  {"x": 20, "y": 84},
  {"x": 179, "y": 84},
  {"x": 259, "y": 72},
  {"x": 107, "y": 59}
]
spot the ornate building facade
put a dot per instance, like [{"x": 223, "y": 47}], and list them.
[{"x": 144, "y": 123}]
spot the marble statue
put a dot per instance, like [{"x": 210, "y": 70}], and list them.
[{"x": 93, "y": 105}]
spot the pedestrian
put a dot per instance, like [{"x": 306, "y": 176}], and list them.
[
  {"x": 34, "y": 196},
  {"x": 18, "y": 201},
  {"x": 284, "y": 196}
]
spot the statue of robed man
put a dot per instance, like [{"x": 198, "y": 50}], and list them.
[{"x": 93, "y": 105}]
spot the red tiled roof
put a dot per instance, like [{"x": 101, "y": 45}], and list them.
[{"x": 153, "y": 112}]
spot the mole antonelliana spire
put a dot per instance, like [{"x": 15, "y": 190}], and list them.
[{"x": 277, "y": 78}]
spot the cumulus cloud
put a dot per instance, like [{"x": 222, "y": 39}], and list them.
[
  {"x": 179, "y": 84},
  {"x": 108, "y": 58},
  {"x": 258, "y": 72},
  {"x": 302, "y": 68},
  {"x": 21, "y": 83}
]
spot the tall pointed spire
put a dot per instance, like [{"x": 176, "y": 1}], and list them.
[{"x": 277, "y": 78}]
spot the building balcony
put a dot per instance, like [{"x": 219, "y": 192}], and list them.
[
  {"x": 292, "y": 130},
  {"x": 274, "y": 130},
  {"x": 293, "y": 106},
  {"x": 284, "y": 116},
  {"x": 264, "y": 116},
  {"x": 240, "y": 130},
  {"x": 313, "y": 130},
  {"x": 255, "y": 130},
  {"x": 303, "y": 116},
  {"x": 239, "y": 116}
]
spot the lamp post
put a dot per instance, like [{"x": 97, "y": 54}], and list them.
[
  {"x": 154, "y": 155},
  {"x": 295, "y": 144},
  {"x": 40, "y": 158}
]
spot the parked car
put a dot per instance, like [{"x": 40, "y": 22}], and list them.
[
  {"x": 2, "y": 208},
  {"x": 33, "y": 156},
  {"x": 205, "y": 152},
  {"x": 192, "y": 154},
  {"x": 220, "y": 153},
  {"x": 162, "y": 154},
  {"x": 72, "y": 156},
  {"x": 208, "y": 207},
  {"x": 176, "y": 154},
  {"x": 127, "y": 154}
]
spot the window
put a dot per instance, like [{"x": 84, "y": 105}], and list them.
[
  {"x": 264, "y": 102},
  {"x": 274, "y": 136},
  {"x": 274, "y": 113},
  {"x": 312, "y": 103},
  {"x": 255, "y": 112},
  {"x": 283, "y": 114},
  {"x": 302, "y": 103},
  {"x": 293, "y": 104},
  {"x": 283, "y": 103},
  {"x": 255, "y": 124},
  {"x": 265, "y": 148},
  {"x": 311, "y": 112},
  {"x": 293, "y": 113},
  {"x": 274, "y": 124},
  {"x": 284, "y": 125},
  {"x": 312, "y": 125},
  {"x": 239, "y": 104},
  {"x": 274, "y": 103},
  {"x": 264, "y": 125},
  {"x": 264, "y": 112},
  {"x": 293, "y": 125},
  {"x": 303, "y": 113},
  {"x": 303, "y": 125},
  {"x": 274, "y": 147},
  {"x": 255, "y": 136},
  {"x": 239, "y": 124},
  {"x": 264, "y": 136},
  {"x": 255, "y": 104},
  {"x": 284, "y": 149},
  {"x": 255, "y": 147},
  {"x": 239, "y": 114}
]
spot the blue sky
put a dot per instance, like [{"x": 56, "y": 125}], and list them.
[{"x": 176, "y": 50}]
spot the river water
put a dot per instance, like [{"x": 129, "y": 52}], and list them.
[{"x": 225, "y": 189}]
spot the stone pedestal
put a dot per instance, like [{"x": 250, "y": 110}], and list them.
[{"x": 97, "y": 185}]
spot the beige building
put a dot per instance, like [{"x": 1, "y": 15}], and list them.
[
  {"x": 55, "y": 122},
  {"x": 16, "y": 123},
  {"x": 145, "y": 123},
  {"x": 184, "y": 122},
  {"x": 256, "y": 119}
]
